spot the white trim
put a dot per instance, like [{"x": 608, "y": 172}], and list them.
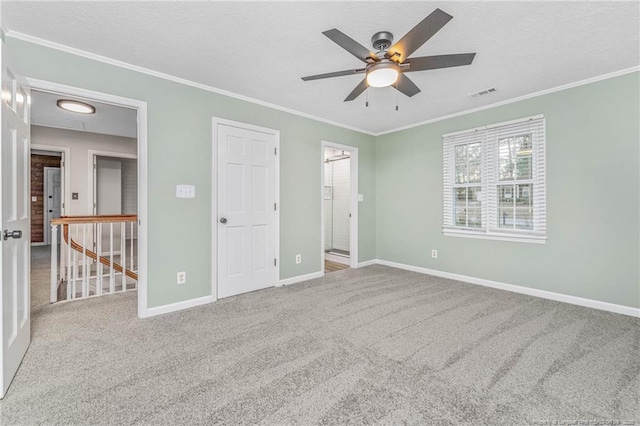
[
  {"x": 574, "y": 300},
  {"x": 64, "y": 165},
  {"x": 302, "y": 278},
  {"x": 38, "y": 244},
  {"x": 78, "y": 52},
  {"x": 214, "y": 198},
  {"x": 91, "y": 154},
  {"x": 338, "y": 258},
  {"x": 353, "y": 227},
  {"x": 368, "y": 263},
  {"x": 516, "y": 99},
  {"x": 141, "y": 107},
  {"x": 178, "y": 306},
  {"x": 495, "y": 237}
]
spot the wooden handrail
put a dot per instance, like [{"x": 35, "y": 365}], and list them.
[
  {"x": 105, "y": 261},
  {"x": 64, "y": 220}
]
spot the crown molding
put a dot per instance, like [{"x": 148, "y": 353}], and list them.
[
  {"x": 78, "y": 52},
  {"x": 93, "y": 56},
  {"x": 517, "y": 99}
]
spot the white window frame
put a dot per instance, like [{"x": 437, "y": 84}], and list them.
[{"x": 489, "y": 137}]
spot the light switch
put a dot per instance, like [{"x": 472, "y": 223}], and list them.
[
  {"x": 360, "y": 197},
  {"x": 185, "y": 191},
  {"x": 34, "y": 199}
]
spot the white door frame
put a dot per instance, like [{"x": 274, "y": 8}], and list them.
[
  {"x": 45, "y": 210},
  {"x": 92, "y": 172},
  {"x": 214, "y": 197},
  {"x": 65, "y": 158},
  {"x": 353, "y": 226},
  {"x": 141, "y": 107}
]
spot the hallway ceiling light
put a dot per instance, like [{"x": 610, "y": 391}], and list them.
[{"x": 76, "y": 106}]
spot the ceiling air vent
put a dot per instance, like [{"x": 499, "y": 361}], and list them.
[{"x": 482, "y": 92}]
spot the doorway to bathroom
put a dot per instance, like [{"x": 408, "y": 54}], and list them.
[{"x": 339, "y": 206}]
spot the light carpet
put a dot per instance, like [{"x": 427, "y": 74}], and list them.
[{"x": 374, "y": 345}]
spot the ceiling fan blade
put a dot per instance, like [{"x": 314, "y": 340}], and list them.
[
  {"x": 406, "y": 86},
  {"x": 333, "y": 74},
  {"x": 423, "y": 63},
  {"x": 418, "y": 35},
  {"x": 357, "y": 91},
  {"x": 350, "y": 45}
]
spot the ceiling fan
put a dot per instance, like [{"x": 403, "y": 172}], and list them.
[{"x": 387, "y": 67}]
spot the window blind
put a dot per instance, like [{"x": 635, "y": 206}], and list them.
[{"x": 506, "y": 198}]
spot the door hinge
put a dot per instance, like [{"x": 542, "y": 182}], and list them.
[
  {"x": 275, "y": 151},
  {"x": 275, "y": 262},
  {"x": 275, "y": 206}
]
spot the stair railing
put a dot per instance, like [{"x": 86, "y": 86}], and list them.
[{"x": 96, "y": 256}]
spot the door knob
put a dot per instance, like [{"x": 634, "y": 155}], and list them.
[
  {"x": 223, "y": 220},
  {"x": 13, "y": 234}
]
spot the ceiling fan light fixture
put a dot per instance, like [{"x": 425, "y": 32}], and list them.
[
  {"x": 383, "y": 74},
  {"x": 76, "y": 106}
]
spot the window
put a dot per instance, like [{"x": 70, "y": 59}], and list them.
[{"x": 494, "y": 181}]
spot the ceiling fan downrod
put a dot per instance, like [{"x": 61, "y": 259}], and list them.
[{"x": 381, "y": 41}]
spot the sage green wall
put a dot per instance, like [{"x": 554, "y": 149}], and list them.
[
  {"x": 593, "y": 197},
  {"x": 179, "y": 151}
]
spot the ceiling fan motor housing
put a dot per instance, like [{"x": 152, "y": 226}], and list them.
[{"x": 382, "y": 40}]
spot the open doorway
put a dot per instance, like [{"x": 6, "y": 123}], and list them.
[
  {"x": 339, "y": 206},
  {"x": 89, "y": 231},
  {"x": 47, "y": 188}
]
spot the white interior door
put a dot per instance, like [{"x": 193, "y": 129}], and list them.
[
  {"x": 15, "y": 246},
  {"x": 246, "y": 210},
  {"x": 52, "y": 199}
]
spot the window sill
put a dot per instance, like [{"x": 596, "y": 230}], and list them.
[{"x": 496, "y": 237}]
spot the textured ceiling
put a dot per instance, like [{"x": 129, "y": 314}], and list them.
[
  {"x": 108, "y": 119},
  {"x": 262, "y": 49}
]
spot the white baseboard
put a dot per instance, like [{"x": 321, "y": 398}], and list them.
[
  {"x": 574, "y": 300},
  {"x": 338, "y": 258},
  {"x": 178, "y": 306},
  {"x": 368, "y": 263},
  {"x": 301, "y": 278},
  {"x": 42, "y": 243}
]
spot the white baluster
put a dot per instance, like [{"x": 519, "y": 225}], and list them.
[
  {"x": 54, "y": 264},
  {"x": 123, "y": 255},
  {"x": 131, "y": 255},
  {"x": 75, "y": 269},
  {"x": 68, "y": 261},
  {"x": 85, "y": 281},
  {"x": 112, "y": 278},
  {"x": 98, "y": 256}
]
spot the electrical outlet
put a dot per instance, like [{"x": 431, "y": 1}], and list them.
[
  {"x": 434, "y": 254},
  {"x": 298, "y": 258},
  {"x": 182, "y": 277}
]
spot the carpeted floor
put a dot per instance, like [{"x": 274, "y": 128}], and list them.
[{"x": 360, "y": 346}]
